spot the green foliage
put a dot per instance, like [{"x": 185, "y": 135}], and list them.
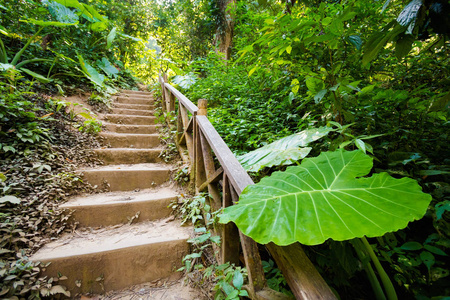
[
  {"x": 18, "y": 121},
  {"x": 352, "y": 66},
  {"x": 275, "y": 279},
  {"x": 190, "y": 208},
  {"x": 107, "y": 67},
  {"x": 417, "y": 20},
  {"x": 321, "y": 199},
  {"x": 285, "y": 151},
  {"x": 38, "y": 153},
  {"x": 201, "y": 269},
  {"x": 185, "y": 81},
  {"x": 58, "y": 48}
]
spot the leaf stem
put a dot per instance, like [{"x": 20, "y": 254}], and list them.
[
  {"x": 19, "y": 54},
  {"x": 34, "y": 60},
  {"x": 387, "y": 283},
  {"x": 373, "y": 279},
  {"x": 3, "y": 56}
]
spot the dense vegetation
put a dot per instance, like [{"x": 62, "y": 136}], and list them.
[
  {"x": 50, "y": 49},
  {"x": 374, "y": 73}
]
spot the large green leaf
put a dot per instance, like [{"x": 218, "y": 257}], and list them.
[
  {"x": 39, "y": 77},
  {"x": 97, "y": 16},
  {"x": 285, "y": 151},
  {"x": 107, "y": 67},
  {"x": 111, "y": 36},
  {"x": 409, "y": 13},
  {"x": 61, "y": 12},
  {"x": 3, "y": 31},
  {"x": 379, "y": 39},
  {"x": 325, "y": 197},
  {"x": 6, "y": 67},
  {"x": 90, "y": 72},
  {"x": 185, "y": 81},
  {"x": 99, "y": 26},
  {"x": 130, "y": 37},
  {"x": 70, "y": 3},
  {"x": 404, "y": 45},
  {"x": 48, "y": 23},
  {"x": 356, "y": 41}
]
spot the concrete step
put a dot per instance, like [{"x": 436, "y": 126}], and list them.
[
  {"x": 127, "y": 119},
  {"x": 134, "y": 100},
  {"x": 127, "y": 177},
  {"x": 111, "y": 259},
  {"x": 136, "y": 96},
  {"x": 136, "y": 92},
  {"x": 142, "y": 129},
  {"x": 113, "y": 208},
  {"x": 130, "y": 140},
  {"x": 133, "y": 106},
  {"x": 134, "y": 112},
  {"x": 115, "y": 156}
]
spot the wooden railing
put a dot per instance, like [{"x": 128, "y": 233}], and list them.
[{"x": 215, "y": 170}]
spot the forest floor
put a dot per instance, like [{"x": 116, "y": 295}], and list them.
[
  {"x": 77, "y": 152},
  {"x": 158, "y": 290}
]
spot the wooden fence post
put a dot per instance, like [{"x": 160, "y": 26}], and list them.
[
  {"x": 170, "y": 106},
  {"x": 163, "y": 91},
  {"x": 230, "y": 234},
  {"x": 202, "y": 107},
  {"x": 200, "y": 172},
  {"x": 167, "y": 95},
  {"x": 172, "y": 102}
]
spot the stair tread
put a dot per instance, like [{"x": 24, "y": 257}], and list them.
[
  {"x": 112, "y": 238},
  {"x": 135, "y": 116},
  {"x": 131, "y": 109},
  {"x": 133, "y": 91},
  {"x": 140, "y": 96},
  {"x": 120, "y": 197},
  {"x": 134, "y": 106},
  {"x": 105, "y": 122},
  {"x": 129, "y": 167},
  {"x": 129, "y": 128},
  {"x": 128, "y": 134},
  {"x": 153, "y": 149}
]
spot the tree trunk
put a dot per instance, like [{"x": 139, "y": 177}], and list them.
[{"x": 224, "y": 33}]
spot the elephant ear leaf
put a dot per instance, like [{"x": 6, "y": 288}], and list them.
[
  {"x": 61, "y": 12},
  {"x": 326, "y": 197},
  {"x": 107, "y": 67},
  {"x": 285, "y": 151},
  {"x": 90, "y": 72}
]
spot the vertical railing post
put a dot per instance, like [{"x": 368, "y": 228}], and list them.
[
  {"x": 180, "y": 125},
  {"x": 230, "y": 234},
  {"x": 170, "y": 106},
  {"x": 167, "y": 95},
  {"x": 200, "y": 172},
  {"x": 202, "y": 107},
  {"x": 162, "y": 81},
  {"x": 171, "y": 103}
]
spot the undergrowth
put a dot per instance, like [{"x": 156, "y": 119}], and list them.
[
  {"x": 40, "y": 150},
  {"x": 201, "y": 268}
]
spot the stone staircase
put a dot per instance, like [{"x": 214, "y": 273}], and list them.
[{"x": 124, "y": 237}]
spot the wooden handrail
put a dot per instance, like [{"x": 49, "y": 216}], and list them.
[
  {"x": 236, "y": 173},
  {"x": 182, "y": 98},
  {"x": 198, "y": 137}
]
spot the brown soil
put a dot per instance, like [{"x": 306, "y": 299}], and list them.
[{"x": 151, "y": 291}]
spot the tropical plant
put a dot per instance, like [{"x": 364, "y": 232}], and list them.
[
  {"x": 285, "y": 151},
  {"x": 328, "y": 197}
]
